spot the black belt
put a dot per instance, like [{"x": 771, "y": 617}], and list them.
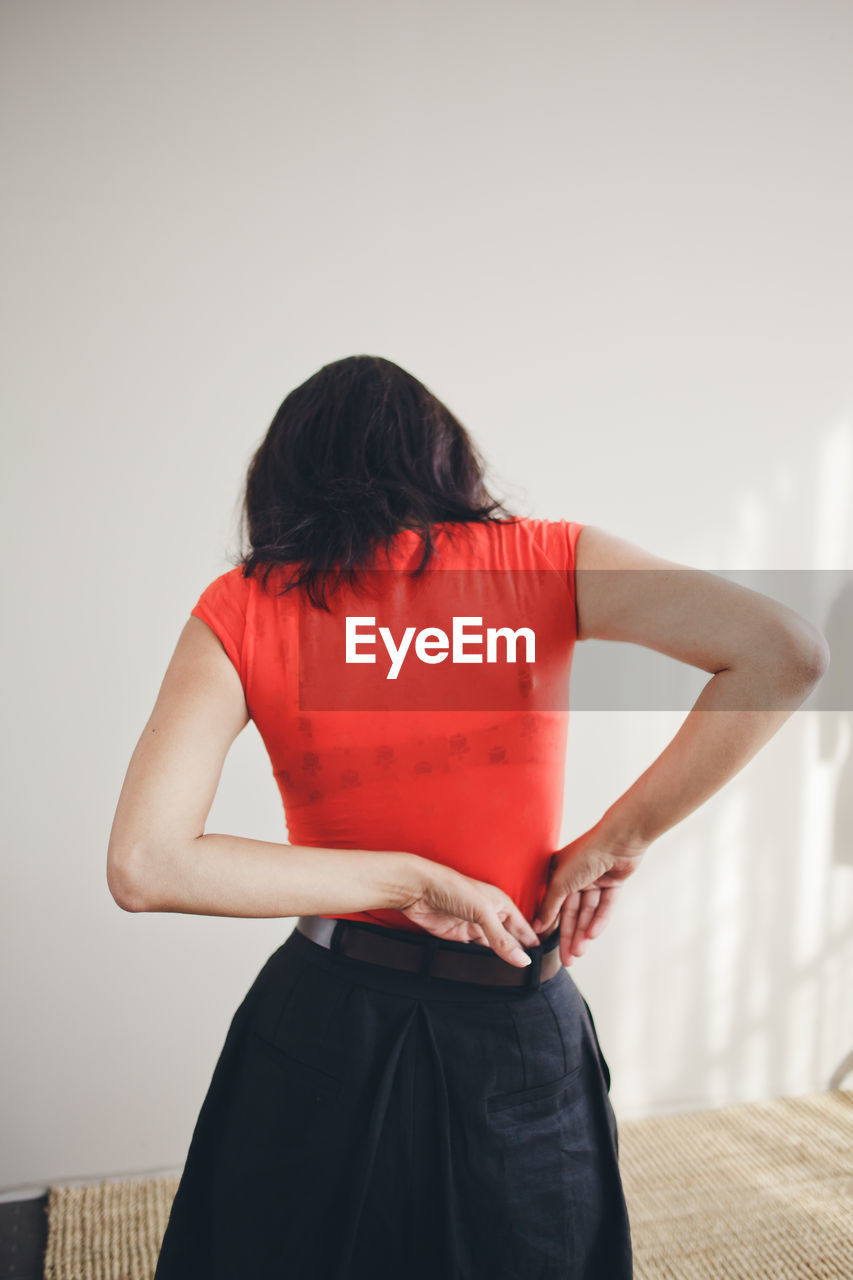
[{"x": 425, "y": 954}]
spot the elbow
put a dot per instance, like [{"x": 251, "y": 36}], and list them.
[
  {"x": 814, "y": 656},
  {"x": 806, "y": 654},
  {"x": 126, "y": 883}
]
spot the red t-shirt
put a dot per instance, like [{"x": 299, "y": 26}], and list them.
[{"x": 426, "y": 748}]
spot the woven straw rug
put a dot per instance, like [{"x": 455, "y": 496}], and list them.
[{"x": 757, "y": 1191}]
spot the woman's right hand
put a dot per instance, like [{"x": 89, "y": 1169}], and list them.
[{"x": 451, "y": 905}]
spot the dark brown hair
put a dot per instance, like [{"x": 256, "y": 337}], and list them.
[{"x": 355, "y": 453}]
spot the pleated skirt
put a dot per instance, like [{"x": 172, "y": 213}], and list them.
[{"x": 362, "y": 1121}]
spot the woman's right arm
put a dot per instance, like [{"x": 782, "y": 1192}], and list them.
[
  {"x": 764, "y": 660},
  {"x": 160, "y": 858}
]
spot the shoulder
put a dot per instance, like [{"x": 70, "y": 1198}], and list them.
[
  {"x": 226, "y": 601},
  {"x": 224, "y": 605},
  {"x": 556, "y": 538},
  {"x": 231, "y": 586}
]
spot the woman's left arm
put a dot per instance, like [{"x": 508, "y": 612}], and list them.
[{"x": 764, "y": 660}]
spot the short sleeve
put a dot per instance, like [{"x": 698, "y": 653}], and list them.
[
  {"x": 560, "y": 540},
  {"x": 569, "y": 531},
  {"x": 223, "y": 606}
]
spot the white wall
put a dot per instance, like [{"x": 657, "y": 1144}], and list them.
[{"x": 615, "y": 238}]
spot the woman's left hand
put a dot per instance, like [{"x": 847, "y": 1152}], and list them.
[{"x": 585, "y": 877}]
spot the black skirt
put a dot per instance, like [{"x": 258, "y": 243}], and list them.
[{"x": 366, "y": 1121}]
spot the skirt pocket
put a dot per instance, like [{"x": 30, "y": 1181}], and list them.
[
  {"x": 500, "y": 1101},
  {"x": 304, "y": 1081},
  {"x": 283, "y": 1103},
  {"x": 541, "y": 1170}
]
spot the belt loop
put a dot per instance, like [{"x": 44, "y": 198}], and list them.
[
  {"x": 534, "y": 969},
  {"x": 337, "y": 935},
  {"x": 430, "y": 948}
]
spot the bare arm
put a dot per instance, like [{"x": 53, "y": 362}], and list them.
[
  {"x": 159, "y": 857},
  {"x": 764, "y": 660}
]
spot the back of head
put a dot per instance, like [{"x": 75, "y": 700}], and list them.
[{"x": 357, "y": 452}]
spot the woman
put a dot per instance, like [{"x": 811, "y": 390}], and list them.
[{"x": 413, "y": 1085}]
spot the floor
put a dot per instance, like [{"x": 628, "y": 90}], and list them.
[{"x": 23, "y": 1238}]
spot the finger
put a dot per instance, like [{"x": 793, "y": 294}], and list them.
[
  {"x": 589, "y": 903},
  {"x": 500, "y": 940},
  {"x": 604, "y": 909},
  {"x": 552, "y": 905},
  {"x": 568, "y": 917},
  {"x": 595, "y": 926},
  {"x": 517, "y": 924}
]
